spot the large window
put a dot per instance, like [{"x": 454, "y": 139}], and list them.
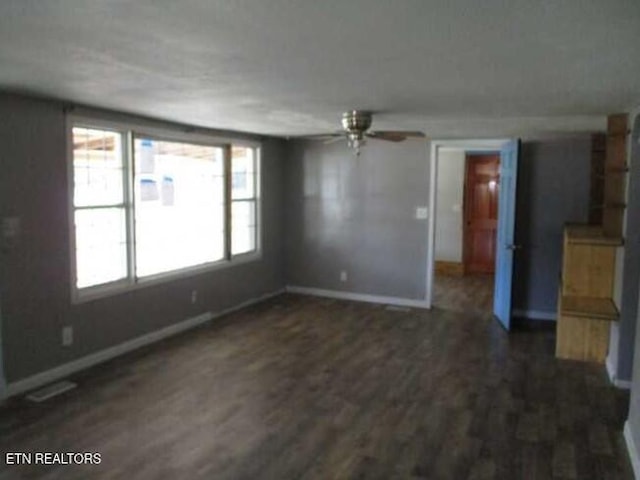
[
  {"x": 148, "y": 206},
  {"x": 179, "y": 205}
]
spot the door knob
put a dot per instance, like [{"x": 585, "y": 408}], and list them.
[{"x": 514, "y": 247}]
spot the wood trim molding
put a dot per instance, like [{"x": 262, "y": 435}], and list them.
[
  {"x": 358, "y": 297},
  {"x": 535, "y": 315}
]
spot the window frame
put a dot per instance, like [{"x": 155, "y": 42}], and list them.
[
  {"x": 255, "y": 199},
  {"x": 129, "y": 131}
]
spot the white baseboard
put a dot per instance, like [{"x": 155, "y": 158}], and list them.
[
  {"x": 535, "y": 315},
  {"x": 623, "y": 384},
  {"x": 611, "y": 372},
  {"x": 358, "y": 297},
  {"x": 66, "y": 369},
  {"x": 633, "y": 451}
]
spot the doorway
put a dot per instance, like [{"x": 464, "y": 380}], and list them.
[
  {"x": 465, "y": 228},
  {"x": 486, "y": 249}
]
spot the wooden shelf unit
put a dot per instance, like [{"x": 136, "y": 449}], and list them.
[
  {"x": 585, "y": 305},
  {"x": 596, "y": 193},
  {"x": 615, "y": 179},
  {"x": 589, "y": 307}
]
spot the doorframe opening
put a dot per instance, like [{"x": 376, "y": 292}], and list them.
[{"x": 469, "y": 146}]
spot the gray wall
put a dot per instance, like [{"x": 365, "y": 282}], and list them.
[
  {"x": 633, "y": 420},
  {"x": 35, "y": 276},
  {"x": 621, "y": 347},
  {"x": 449, "y": 197},
  {"x": 357, "y": 214},
  {"x": 630, "y": 348},
  {"x": 553, "y": 189}
]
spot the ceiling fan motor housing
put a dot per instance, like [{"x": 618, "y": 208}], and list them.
[{"x": 356, "y": 121}]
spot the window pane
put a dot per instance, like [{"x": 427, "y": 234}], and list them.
[
  {"x": 243, "y": 224},
  {"x": 243, "y": 174},
  {"x": 97, "y": 167},
  {"x": 101, "y": 246},
  {"x": 243, "y": 240},
  {"x": 179, "y": 205}
]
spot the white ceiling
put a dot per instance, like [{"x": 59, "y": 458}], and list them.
[{"x": 453, "y": 68}]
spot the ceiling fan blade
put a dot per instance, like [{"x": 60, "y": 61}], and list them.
[
  {"x": 333, "y": 139},
  {"x": 323, "y": 136},
  {"x": 395, "y": 136}
]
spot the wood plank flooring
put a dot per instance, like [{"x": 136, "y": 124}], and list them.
[
  {"x": 308, "y": 388},
  {"x": 468, "y": 293}
]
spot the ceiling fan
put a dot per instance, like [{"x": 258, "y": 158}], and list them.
[{"x": 355, "y": 128}]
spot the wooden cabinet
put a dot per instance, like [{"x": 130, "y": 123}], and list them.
[{"x": 585, "y": 304}]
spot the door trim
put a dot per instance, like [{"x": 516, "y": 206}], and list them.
[{"x": 470, "y": 146}]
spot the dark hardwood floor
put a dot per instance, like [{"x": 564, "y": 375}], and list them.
[
  {"x": 469, "y": 294},
  {"x": 308, "y": 388}
]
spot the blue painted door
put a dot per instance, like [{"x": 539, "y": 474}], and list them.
[{"x": 505, "y": 246}]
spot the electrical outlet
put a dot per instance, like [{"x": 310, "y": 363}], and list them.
[
  {"x": 11, "y": 227},
  {"x": 67, "y": 336},
  {"x": 343, "y": 276},
  {"x": 194, "y": 296},
  {"x": 422, "y": 213}
]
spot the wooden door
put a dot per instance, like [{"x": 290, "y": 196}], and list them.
[{"x": 481, "y": 212}]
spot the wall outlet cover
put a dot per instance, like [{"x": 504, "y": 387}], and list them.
[
  {"x": 11, "y": 227},
  {"x": 422, "y": 213},
  {"x": 67, "y": 336}
]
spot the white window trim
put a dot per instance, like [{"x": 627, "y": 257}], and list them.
[{"x": 129, "y": 130}]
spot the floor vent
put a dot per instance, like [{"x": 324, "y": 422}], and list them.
[{"x": 51, "y": 391}]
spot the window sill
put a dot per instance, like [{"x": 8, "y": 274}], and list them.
[{"x": 120, "y": 287}]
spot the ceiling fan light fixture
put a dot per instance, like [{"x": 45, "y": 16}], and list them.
[{"x": 355, "y": 140}]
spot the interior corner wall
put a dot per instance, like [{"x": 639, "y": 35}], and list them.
[
  {"x": 632, "y": 426},
  {"x": 358, "y": 215},
  {"x": 449, "y": 198},
  {"x": 553, "y": 189},
  {"x": 621, "y": 346},
  {"x": 35, "y": 275}
]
